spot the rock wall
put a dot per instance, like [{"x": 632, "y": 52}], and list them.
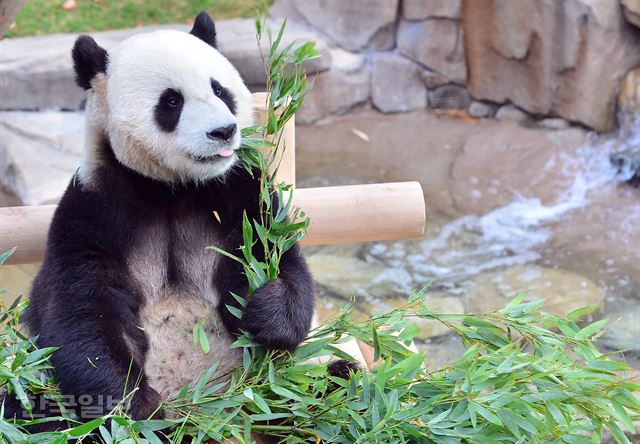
[
  {"x": 546, "y": 58},
  {"x": 544, "y": 62},
  {"x": 550, "y": 58},
  {"x": 540, "y": 58},
  {"x": 36, "y": 72}
]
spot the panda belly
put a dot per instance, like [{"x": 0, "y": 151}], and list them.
[
  {"x": 173, "y": 270},
  {"x": 172, "y": 360}
]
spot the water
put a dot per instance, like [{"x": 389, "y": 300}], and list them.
[
  {"x": 579, "y": 249},
  {"x": 514, "y": 234}
]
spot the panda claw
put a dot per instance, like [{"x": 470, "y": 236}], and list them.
[{"x": 268, "y": 318}]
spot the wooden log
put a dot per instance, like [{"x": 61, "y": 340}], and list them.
[
  {"x": 362, "y": 213},
  {"x": 344, "y": 214},
  {"x": 286, "y": 161},
  {"x": 25, "y": 228}
]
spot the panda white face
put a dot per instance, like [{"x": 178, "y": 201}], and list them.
[
  {"x": 177, "y": 104},
  {"x": 172, "y": 106}
]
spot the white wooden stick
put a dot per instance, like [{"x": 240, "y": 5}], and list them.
[
  {"x": 286, "y": 160},
  {"x": 26, "y": 229},
  {"x": 361, "y": 213},
  {"x": 345, "y": 214}
]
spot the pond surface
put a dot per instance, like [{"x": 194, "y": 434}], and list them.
[{"x": 573, "y": 239}]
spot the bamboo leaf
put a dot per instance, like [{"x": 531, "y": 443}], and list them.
[
  {"x": 87, "y": 427},
  {"x": 285, "y": 392},
  {"x": 591, "y": 329},
  {"x": 376, "y": 342},
  {"x": 234, "y": 311},
  {"x": 6, "y": 255}
]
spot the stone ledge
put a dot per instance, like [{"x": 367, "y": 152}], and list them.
[
  {"x": 37, "y": 73},
  {"x": 39, "y": 152}
]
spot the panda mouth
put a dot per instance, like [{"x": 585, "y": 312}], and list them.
[{"x": 227, "y": 152}]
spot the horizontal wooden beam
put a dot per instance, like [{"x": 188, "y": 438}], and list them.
[
  {"x": 362, "y": 213},
  {"x": 25, "y": 228},
  {"x": 344, "y": 214}
]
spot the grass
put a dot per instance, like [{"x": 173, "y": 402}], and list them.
[{"x": 40, "y": 17}]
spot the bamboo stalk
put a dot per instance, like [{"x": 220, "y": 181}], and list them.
[{"x": 344, "y": 214}]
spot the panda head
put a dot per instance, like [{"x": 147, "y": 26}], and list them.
[{"x": 170, "y": 104}]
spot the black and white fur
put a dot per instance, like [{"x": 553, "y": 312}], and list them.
[{"x": 127, "y": 273}]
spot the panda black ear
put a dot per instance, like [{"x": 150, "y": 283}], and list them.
[
  {"x": 89, "y": 59},
  {"x": 205, "y": 29}
]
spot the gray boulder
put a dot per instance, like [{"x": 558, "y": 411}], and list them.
[
  {"x": 338, "y": 90},
  {"x": 436, "y": 44},
  {"x": 631, "y": 9},
  {"x": 424, "y": 9},
  {"x": 396, "y": 84},
  {"x": 237, "y": 41},
  {"x": 481, "y": 109},
  {"x": 511, "y": 113},
  {"x": 352, "y": 24},
  {"x": 627, "y": 163},
  {"x": 623, "y": 331},
  {"x": 36, "y": 72},
  {"x": 512, "y": 49},
  {"x": 39, "y": 153}
]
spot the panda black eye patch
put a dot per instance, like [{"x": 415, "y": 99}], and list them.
[
  {"x": 167, "y": 111},
  {"x": 224, "y": 94}
]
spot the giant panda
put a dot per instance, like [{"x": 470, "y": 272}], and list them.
[{"x": 127, "y": 273}]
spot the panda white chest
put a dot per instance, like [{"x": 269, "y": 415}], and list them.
[{"x": 173, "y": 270}]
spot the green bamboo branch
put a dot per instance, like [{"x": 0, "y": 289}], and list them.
[{"x": 280, "y": 225}]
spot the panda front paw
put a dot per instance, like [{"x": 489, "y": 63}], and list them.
[
  {"x": 144, "y": 404},
  {"x": 273, "y": 319}
]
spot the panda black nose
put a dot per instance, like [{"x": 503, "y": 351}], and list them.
[{"x": 222, "y": 133}]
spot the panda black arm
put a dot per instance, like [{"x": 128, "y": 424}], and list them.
[
  {"x": 83, "y": 303},
  {"x": 279, "y": 314}
]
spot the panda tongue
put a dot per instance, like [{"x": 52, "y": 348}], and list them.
[{"x": 225, "y": 152}]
